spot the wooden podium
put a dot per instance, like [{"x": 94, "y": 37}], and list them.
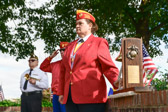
[{"x": 132, "y": 71}]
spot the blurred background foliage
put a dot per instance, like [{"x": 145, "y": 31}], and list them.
[
  {"x": 22, "y": 23},
  {"x": 161, "y": 82},
  {"x": 46, "y": 101}
]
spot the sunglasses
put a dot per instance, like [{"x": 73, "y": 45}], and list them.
[{"x": 31, "y": 60}]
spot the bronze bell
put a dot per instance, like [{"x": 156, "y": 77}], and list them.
[{"x": 27, "y": 76}]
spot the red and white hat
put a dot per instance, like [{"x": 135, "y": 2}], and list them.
[
  {"x": 81, "y": 14},
  {"x": 63, "y": 45}
]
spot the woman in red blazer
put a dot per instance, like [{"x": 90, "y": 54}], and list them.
[{"x": 86, "y": 61}]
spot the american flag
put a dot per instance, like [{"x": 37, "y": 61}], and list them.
[
  {"x": 110, "y": 91},
  {"x": 149, "y": 68},
  {"x": 1, "y": 94}
]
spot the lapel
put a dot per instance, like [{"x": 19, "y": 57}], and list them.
[{"x": 81, "y": 51}]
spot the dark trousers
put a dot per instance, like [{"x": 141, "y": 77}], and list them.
[
  {"x": 31, "y": 102},
  {"x": 92, "y": 107}
]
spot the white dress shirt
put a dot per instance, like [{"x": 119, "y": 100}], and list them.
[
  {"x": 85, "y": 38},
  {"x": 41, "y": 83}
]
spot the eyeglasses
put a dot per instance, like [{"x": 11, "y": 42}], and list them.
[
  {"x": 31, "y": 60},
  {"x": 62, "y": 50}
]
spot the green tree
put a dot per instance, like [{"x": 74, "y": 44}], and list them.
[
  {"x": 55, "y": 22},
  {"x": 161, "y": 83},
  {"x": 16, "y": 41}
]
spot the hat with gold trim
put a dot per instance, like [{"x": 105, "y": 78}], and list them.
[
  {"x": 34, "y": 56},
  {"x": 81, "y": 14},
  {"x": 63, "y": 45}
]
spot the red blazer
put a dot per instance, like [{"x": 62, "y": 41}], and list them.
[
  {"x": 86, "y": 77},
  {"x": 53, "y": 68}
]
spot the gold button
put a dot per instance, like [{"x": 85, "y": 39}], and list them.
[
  {"x": 70, "y": 72},
  {"x": 72, "y": 59},
  {"x": 71, "y": 83}
]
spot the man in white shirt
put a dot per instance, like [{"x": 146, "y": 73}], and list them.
[{"x": 32, "y": 82}]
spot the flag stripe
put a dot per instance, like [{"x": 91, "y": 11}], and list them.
[{"x": 149, "y": 67}]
